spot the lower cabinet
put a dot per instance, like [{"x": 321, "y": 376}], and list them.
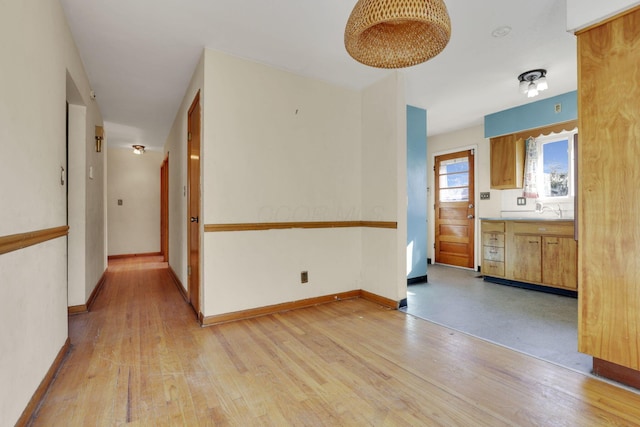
[
  {"x": 559, "y": 256},
  {"x": 527, "y": 259},
  {"x": 538, "y": 252}
]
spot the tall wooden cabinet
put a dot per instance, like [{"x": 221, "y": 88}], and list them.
[{"x": 608, "y": 194}]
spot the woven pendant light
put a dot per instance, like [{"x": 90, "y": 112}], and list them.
[{"x": 397, "y": 33}]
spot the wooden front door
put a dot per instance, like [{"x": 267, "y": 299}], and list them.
[
  {"x": 455, "y": 209},
  {"x": 193, "y": 203}
]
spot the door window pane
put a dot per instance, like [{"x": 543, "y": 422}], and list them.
[
  {"x": 454, "y": 180},
  {"x": 454, "y": 194}
]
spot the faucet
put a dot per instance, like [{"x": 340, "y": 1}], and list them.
[{"x": 540, "y": 208}]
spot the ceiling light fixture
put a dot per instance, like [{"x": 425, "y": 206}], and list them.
[
  {"x": 532, "y": 82},
  {"x": 138, "y": 149},
  {"x": 397, "y": 33}
]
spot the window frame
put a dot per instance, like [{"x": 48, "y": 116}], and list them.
[{"x": 556, "y": 137}]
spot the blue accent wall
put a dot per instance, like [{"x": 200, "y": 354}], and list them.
[
  {"x": 417, "y": 191},
  {"x": 532, "y": 115}
]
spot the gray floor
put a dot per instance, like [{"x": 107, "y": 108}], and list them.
[{"x": 536, "y": 323}]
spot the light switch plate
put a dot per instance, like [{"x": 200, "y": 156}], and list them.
[
  {"x": 521, "y": 201},
  {"x": 485, "y": 195}
]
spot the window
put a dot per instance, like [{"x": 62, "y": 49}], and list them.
[
  {"x": 454, "y": 180},
  {"x": 555, "y": 165}
]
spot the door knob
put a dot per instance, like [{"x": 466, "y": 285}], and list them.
[
  {"x": 469, "y": 216},
  {"x": 194, "y": 219}
]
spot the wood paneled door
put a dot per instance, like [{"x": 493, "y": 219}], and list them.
[
  {"x": 193, "y": 203},
  {"x": 454, "y": 209}
]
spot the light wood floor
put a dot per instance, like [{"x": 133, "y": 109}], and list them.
[{"x": 139, "y": 358}]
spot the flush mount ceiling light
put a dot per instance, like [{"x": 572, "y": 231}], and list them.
[
  {"x": 397, "y": 33},
  {"x": 138, "y": 149},
  {"x": 532, "y": 82}
]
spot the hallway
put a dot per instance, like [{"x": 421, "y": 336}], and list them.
[{"x": 140, "y": 358}]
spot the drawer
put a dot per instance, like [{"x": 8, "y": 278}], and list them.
[
  {"x": 492, "y": 253},
  {"x": 541, "y": 228},
  {"x": 493, "y": 239},
  {"x": 493, "y": 268},
  {"x": 488, "y": 226}
]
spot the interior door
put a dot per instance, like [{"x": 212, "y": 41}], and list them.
[
  {"x": 193, "y": 203},
  {"x": 454, "y": 209}
]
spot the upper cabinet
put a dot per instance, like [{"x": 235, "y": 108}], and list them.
[{"x": 507, "y": 162}]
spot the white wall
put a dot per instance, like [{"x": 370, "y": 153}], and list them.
[
  {"x": 583, "y": 13},
  {"x": 36, "y": 54},
  {"x": 176, "y": 150},
  {"x": 277, "y": 147},
  {"x": 457, "y": 141},
  {"x": 134, "y": 226},
  {"x": 384, "y": 187}
]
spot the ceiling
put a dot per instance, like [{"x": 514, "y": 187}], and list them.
[{"x": 140, "y": 55}]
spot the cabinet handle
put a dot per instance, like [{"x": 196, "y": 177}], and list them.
[
  {"x": 552, "y": 243},
  {"x": 533, "y": 241}
]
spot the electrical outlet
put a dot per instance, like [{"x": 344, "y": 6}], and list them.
[
  {"x": 558, "y": 108},
  {"x": 521, "y": 201},
  {"x": 485, "y": 195},
  {"x": 304, "y": 277}
]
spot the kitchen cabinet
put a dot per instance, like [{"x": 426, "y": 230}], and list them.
[
  {"x": 527, "y": 259},
  {"x": 493, "y": 248},
  {"x": 507, "y": 162},
  {"x": 556, "y": 270},
  {"x": 536, "y": 252}
]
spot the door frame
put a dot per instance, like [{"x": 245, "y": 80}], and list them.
[
  {"x": 431, "y": 229},
  {"x": 164, "y": 208},
  {"x": 194, "y": 286}
]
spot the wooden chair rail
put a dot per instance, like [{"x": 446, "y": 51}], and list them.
[
  {"x": 258, "y": 226},
  {"x": 15, "y": 242}
]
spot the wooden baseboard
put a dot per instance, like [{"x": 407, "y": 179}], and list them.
[
  {"x": 386, "y": 302},
  {"x": 78, "y": 309},
  {"x": 276, "y": 308},
  {"x": 293, "y": 305},
  {"x": 612, "y": 371},
  {"x": 32, "y": 406},
  {"x": 178, "y": 284},
  {"x": 133, "y": 255}
]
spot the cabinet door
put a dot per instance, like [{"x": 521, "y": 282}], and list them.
[
  {"x": 527, "y": 258},
  {"x": 507, "y": 162},
  {"x": 559, "y": 262}
]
